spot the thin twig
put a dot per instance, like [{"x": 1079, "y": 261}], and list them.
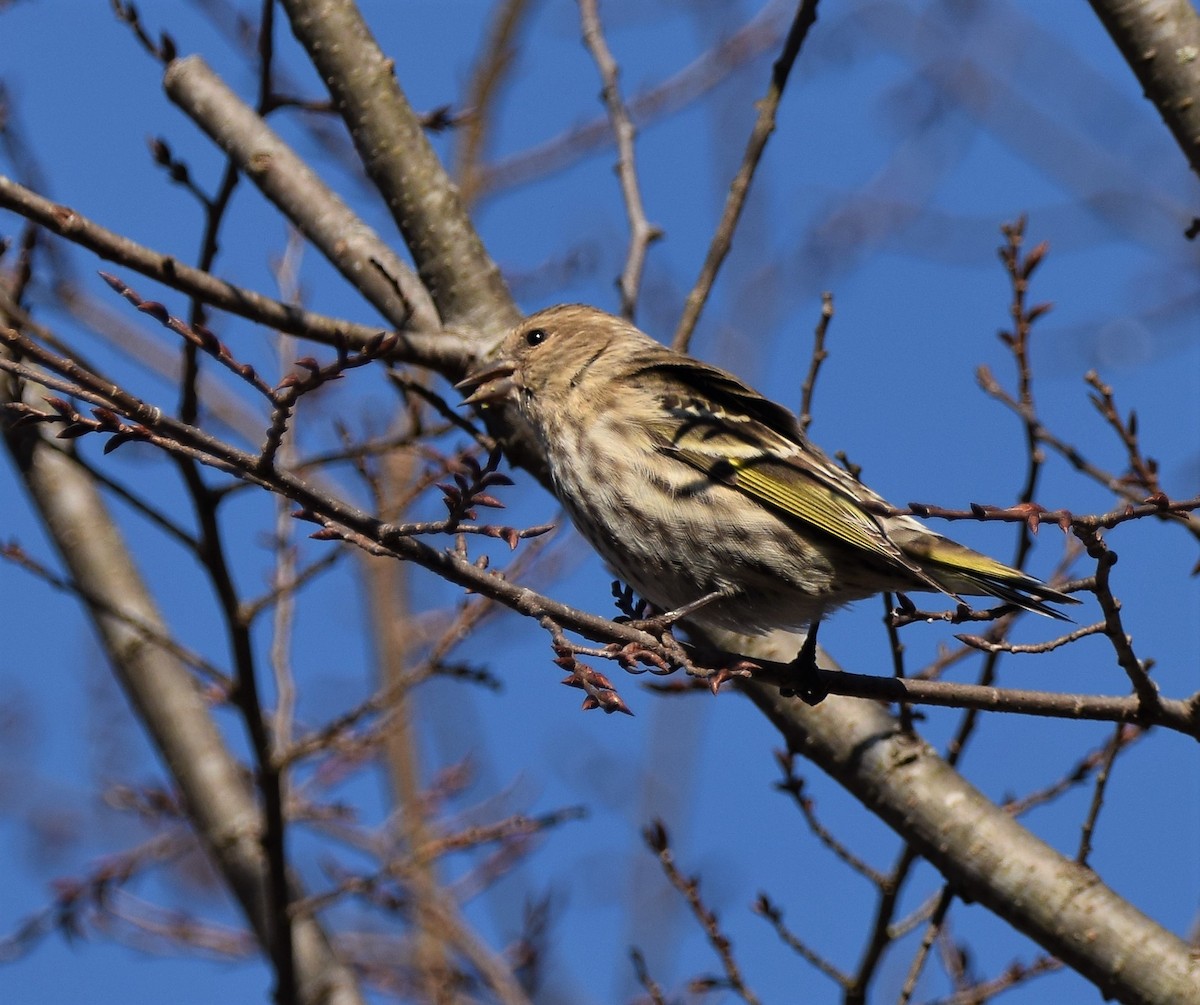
[
  {"x": 641, "y": 233},
  {"x": 1072, "y": 454},
  {"x": 1079, "y": 774},
  {"x": 896, "y": 648},
  {"x": 1114, "y": 747},
  {"x": 882, "y": 929},
  {"x": 707, "y": 71},
  {"x": 806, "y": 15},
  {"x": 766, "y": 908},
  {"x": 988, "y": 646},
  {"x": 931, "y": 933},
  {"x": 443, "y": 352},
  {"x": 819, "y": 355},
  {"x": 1015, "y": 973},
  {"x": 649, "y": 985},
  {"x": 1143, "y": 686},
  {"x": 793, "y": 785},
  {"x": 1019, "y": 268},
  {"x": 497, "y": 56},
  {"x": 1144, "y": 470},
  {"x": 13, "y": 552},
  {"x": 657, "y": 840}
]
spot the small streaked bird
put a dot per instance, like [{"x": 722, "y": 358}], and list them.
[{"x": 706, "y": 497}]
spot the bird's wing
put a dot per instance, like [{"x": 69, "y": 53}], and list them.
[
  {"x": 737, "y": 437},
  {"x": 734, "y": 435}
]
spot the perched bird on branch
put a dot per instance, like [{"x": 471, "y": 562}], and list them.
[{"x": 706, "y": 497}]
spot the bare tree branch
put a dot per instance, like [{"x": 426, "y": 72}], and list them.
[
  {"x": 983, "y": 853},
  {"x": 489, "y": 75},
  {"x": 159, "y": 685},
  {"x": 641, "y": 233},
  {"x": 759, "y": 35},
  {"x": 464, "y": 282},
  {"x": 284, "y": 178},
  {"x": 806, "y": 16},
  {"x": 444, "y": 352},
  {"x": 1160, "y": 40}
]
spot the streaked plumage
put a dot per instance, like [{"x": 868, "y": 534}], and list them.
[{"x": 688, "y": 482}]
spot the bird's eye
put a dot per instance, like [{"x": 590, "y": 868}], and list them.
[{"x": 536, "y": 336}]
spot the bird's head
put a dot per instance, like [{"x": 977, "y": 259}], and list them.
[{"x": 548, "y": 353}]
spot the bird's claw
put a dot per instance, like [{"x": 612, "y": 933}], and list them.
[{"x": 807, "y": 674}]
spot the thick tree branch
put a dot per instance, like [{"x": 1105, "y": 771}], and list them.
[
  {"x": 985, "y": 855},
  {"x": 161, "y": 688},
  {"x": 464, "y": 282},
  {"x": 1160, "y": 40},
  {"x": 445, "y": 352},
  {"x": 288, "y": 182}
]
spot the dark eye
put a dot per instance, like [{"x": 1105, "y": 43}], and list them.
[{"x": 536, "y": 336}]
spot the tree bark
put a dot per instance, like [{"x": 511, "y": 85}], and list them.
[{"x": 1160, "y": 40}]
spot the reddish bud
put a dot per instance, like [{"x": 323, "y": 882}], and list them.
[{"x": 156, "y": 310}]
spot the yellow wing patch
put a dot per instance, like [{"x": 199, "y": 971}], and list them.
[
  {"x": 812, "y": 502},
  {"x": 794, "y": 492}
]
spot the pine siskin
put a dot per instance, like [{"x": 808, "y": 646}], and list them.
[{"x": 705, "y": 496}]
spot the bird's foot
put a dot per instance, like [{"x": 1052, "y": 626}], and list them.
[{"x": 807, "y": 675}]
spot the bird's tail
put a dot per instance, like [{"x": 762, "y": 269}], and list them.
[{"x": 957, "y": 569}]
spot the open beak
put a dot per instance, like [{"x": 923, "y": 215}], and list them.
[{"x": 491, "y": 383}]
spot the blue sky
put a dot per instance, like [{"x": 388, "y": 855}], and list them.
[{"x": 909, "y": 132}]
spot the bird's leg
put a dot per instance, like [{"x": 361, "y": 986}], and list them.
[{"x": 808, "y": 675}]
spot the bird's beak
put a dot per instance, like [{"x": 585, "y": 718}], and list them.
[{"x": 492, "y": 382}]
